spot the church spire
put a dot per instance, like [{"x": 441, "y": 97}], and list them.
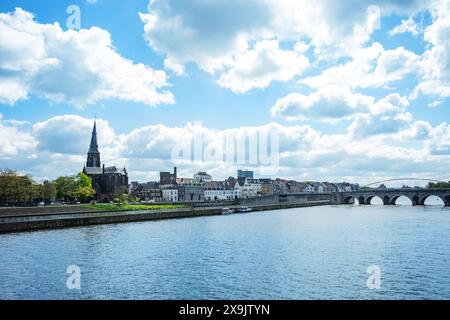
[
  {"x": 94, "y": 146},
  {"x": 93, "y": 158}
]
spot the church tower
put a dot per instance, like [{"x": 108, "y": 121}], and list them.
[{"x": 93, "y": 158}]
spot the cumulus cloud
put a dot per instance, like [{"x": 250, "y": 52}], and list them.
[
  {"x": 369, "y": 67},
  {"x": 14, "y": 141},
  {"x": 79, "y": 67},
  {"x": 258, "y": 67},
  {"x": 435, "y": 62},
  {"x": 407, "y": 25},
  {"x": 439, "y": 143},
  {"x": 201, "y": 32},
  {"x": 370, "y": 125},
  {"x": 328, "y": 103},
  {"x": 70, "y": 134},
  {"x": 147, "y": 150}
]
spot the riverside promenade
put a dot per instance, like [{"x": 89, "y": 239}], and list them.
[{"x": 77, "y": 216}]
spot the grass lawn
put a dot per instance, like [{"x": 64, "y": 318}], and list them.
[{"x": 132, "y": 207}]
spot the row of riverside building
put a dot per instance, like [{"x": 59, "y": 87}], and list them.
[
  {"x": 109, "y": 182},
  {"x": 201, "y": 187}
]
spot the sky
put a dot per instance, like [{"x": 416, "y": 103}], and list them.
[{"x": 355, "y": 90}]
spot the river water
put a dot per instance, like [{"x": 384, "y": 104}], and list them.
[{"x": 305, "y": 253}]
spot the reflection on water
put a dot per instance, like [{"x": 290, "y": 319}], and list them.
[{"x": 305, "y": 253}]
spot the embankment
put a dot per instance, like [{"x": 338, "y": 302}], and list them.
[{"x": 28, "y": 222}]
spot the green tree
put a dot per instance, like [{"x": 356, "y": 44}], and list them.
[
  {"x": 438, "y": 185},
  {"x": 64, "y": 187},
  {"x": 48, "y": 191},
  {"x": 74, "y": 187},
  {"x": 17, "y": 190},
  {"x": 83, "y": 190}
]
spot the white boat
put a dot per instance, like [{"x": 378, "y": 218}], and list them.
[
  {"x": 227, "y": 211},
  {"x": 244, "y": 209}
]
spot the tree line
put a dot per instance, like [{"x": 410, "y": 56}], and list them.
[
  {"x": 438, "y": 185},
  {"x": 22, "y": 190}
]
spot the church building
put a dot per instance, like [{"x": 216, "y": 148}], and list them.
[{"x": 108, "y": 182}]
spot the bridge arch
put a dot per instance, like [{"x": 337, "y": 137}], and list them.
[
  {"x": 353, "y": 200},
  {"x": 369, "y": 198},
  {"x": 393, "y": 199},
  {"x": 424, "y": 198}
]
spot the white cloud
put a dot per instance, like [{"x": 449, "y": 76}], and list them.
[
  {"x": 371, "y": 125},
  {"x": 258, "y": 67},
  {"x": 79, "y": 67},
  {"x": 419, "y": 130},
  {"x": 70, "y": 134},
  {"x": 407, "y": 25},
  {"x": 369, "y": 67},
  {"x": 393, "y": 65},
  {"x": 439, "y": 144},
  {"x": 201, "y": 32},
  {"x": 435, "y": 62},
  {"x": 392, "y": 104},
  {"x": 14, "y": 141},
  {"x": 178, "y": 69},
  {"x": 328, "y": 103}
]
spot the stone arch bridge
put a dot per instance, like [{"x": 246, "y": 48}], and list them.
[{"x": 390, "y": 196}]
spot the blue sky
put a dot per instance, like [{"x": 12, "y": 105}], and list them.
[{"x": 349, "y": 86}]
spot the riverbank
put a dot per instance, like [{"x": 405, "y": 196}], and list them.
[{"x": 29, "y": 222}]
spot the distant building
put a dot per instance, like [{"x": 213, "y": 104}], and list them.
[
  {"x": 189, "y": 190},
  {"x": 107, "y": 182},
  {"x": 245, "y": 174},
  {"x": 318, "y": 187},
  {"x": 280, "y": 186},
  {"x": 169, "y": 193},
  {"x": 166, "y": 178},
  {"x": 202, "y": 177},
  {"x": 308, "y": 188},
  {"x": 266, "y": 186},
  {"x": 146, "y": 192},
  {"x": 249, "y": 188},
  {"x": 220, "y": 191}
]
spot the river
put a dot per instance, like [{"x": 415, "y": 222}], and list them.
[{"x": 305, "y": 253}]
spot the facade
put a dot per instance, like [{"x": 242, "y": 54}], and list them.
[
  {"x": 107, "y": 182},
  {"x": 280, "y": 186},
  {"x": 266, "y": 186},
  {"x": 318, "y": 187},
  {"x": 202, "y": 177},
  {"x": 249, "y": 188},
  {"x": 308, "y": 188},
  {"x": 166, "y": 178},
  {"x": 189, "y": 190},
  {"x": 220, "y": 191},
  {"x": 146, "y": 192},
  {"x": 169, "y": 194},
  {"x": 295, "y": 187}
]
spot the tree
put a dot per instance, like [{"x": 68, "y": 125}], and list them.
[
  {"x": 17, "y": 190},
  {"x": 48, "y": 191},
  {"x": 438, "y": 185},
  {"x": 64, "y": 187},
  {"x": 74, "y": 187}
]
